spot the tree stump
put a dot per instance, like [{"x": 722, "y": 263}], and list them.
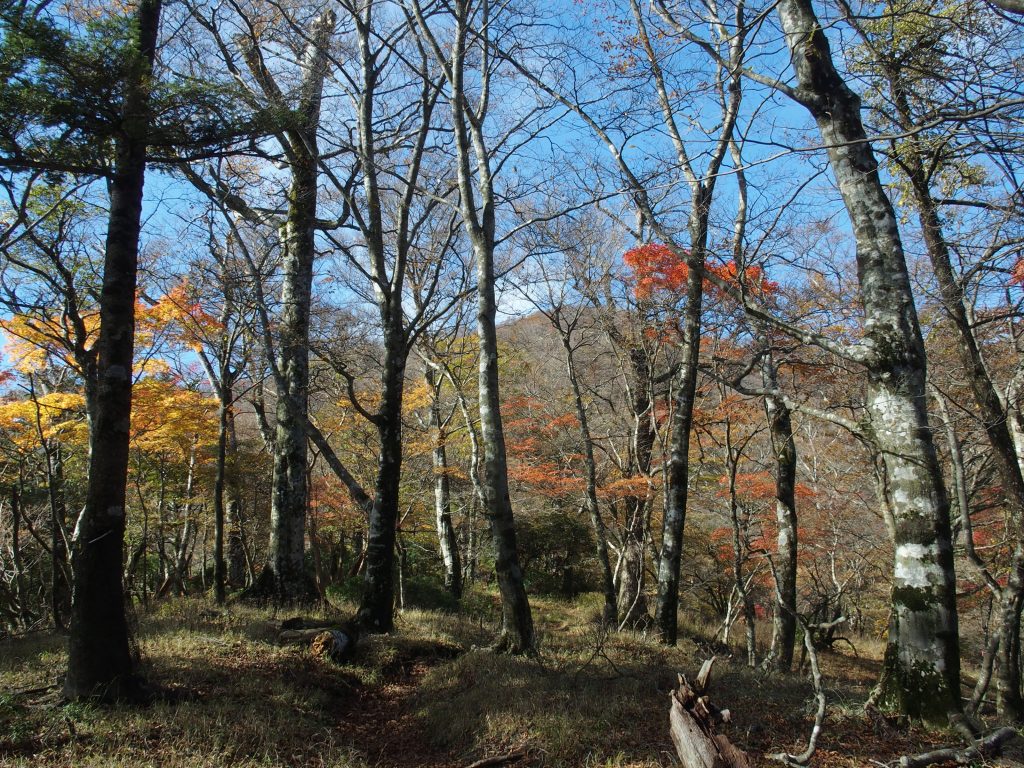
[{"x": 692, "y": 722}]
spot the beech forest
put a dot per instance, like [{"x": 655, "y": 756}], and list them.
[{"x": 465, "y": 383}]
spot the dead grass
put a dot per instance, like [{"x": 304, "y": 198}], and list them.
[{"x": 429, "y": 694}]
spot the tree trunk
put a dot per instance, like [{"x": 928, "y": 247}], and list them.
[
  {"x": 1008, "y": 694},
  {"x": 477, "y": 199},
  {"x": 780, "y": 425},
  {"x": 20, "y": 589},
  {"x": 610, "y": 614},
  {"x": 992, "y": 411},
  {"x": 99, "y": 658},
  {"x": 447, "y": 540},
  {"x": 236, "y": 547},
  {"x": 219, "y": 564},
  {"x": 286, "y": 571},
  {"x": 376, "y": 610},
  {"x": 667, "y": 609},
  {"x": 517, "y": 621},
  {"x": 921, "y": 675},
  {"x": 60, "y": 581},
  {"x": 632, "y": 597}
]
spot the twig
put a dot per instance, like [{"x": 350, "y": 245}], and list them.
[
  {"x": 499, "y": 759},
  {"x": 31, "y": 691},
  {"x": 819, "y": 693}
]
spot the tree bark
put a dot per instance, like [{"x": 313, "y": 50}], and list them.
[
  {"x": 992, "y": 410},
  {"x": 447, "y": 540},
  {"x": 610, "y": 613},
  {"x": 285, "y": 566},
  {"x": 376, "y": 611},
  {"x": 219, "y": 564},
  {"x": 99, "y": 658},
  {"x": 667, "y": 607},
  {"x": 780, "y": 425},
  {"x": 477, "y": 203},
  {"x": 921, "y": 675},
  {"x": 632, "y": 597}
]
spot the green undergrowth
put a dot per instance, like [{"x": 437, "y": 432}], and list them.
[{"x": 429, "y": 694}]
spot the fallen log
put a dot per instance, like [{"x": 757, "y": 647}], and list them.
[
  {"x": 988, "y": 746},
  {"x": 493, "y": 762},
  {"x": 300, "y": 636},
  {"x": 333, "y": 645},
  {"x": 326, "y": 640},
  {"x": 693, "y": 722}
]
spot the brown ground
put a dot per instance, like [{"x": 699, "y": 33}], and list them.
[{"x": 428, "y": 695}]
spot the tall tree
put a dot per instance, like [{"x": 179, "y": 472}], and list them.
[
  {"x": 100, "y": 662},
  {"x": 246, "y": 56},
  {"x": 915, "y": 71},
  {"x": 470, "y": 45},
  {"x": 921, "y": 675}
]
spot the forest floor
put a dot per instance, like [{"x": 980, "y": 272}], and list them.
[{"x": 429, "y": 694}]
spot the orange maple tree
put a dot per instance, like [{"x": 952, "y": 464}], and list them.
[{"x": 657, "y": 267}]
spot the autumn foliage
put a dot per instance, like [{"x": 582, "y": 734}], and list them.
[{"x": 659, "y": 268}]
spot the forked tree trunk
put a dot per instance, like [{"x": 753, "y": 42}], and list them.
[
  {"x": 376, "y": 610},
  {"x": 921, "y": 675},
  {"x": 632, "y": 597},
  {"x": 99, "y": 657},
  {"x": 477, "y": 201},
  {"x": 285, "y": 574}
]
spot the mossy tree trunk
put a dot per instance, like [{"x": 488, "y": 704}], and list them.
[
  {"x": 921, "y": 675},
  {"x": 780, "y": 425},
  {"x": 285, "y": 577}
]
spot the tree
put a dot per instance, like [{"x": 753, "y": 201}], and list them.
[
  {"x": 469, "y": 44},
  {"x": 911, "y": 65},
  {"x": 284, "y": 576},
  {"x": 921, "y": 676},
  {"x": 99, "y": 659},
  {"x": 80, "y": 99}
]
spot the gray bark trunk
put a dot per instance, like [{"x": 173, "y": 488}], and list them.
[
  {"x": 477, "y": 200},
  {"x": 447, "y": 541},
  {"x": 667, "y": 608},
  {"x": 780, "y": 424},
  {"x": 921, "y": 675},
  {"x": 992, "y": 411},
  {"x": 285, "y": 568}
]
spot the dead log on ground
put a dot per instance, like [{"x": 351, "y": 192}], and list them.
[
  {"x": 693, "y": 720},
  {"x": 989, "y": 746},
  {"x": 335, "y": 641}
]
